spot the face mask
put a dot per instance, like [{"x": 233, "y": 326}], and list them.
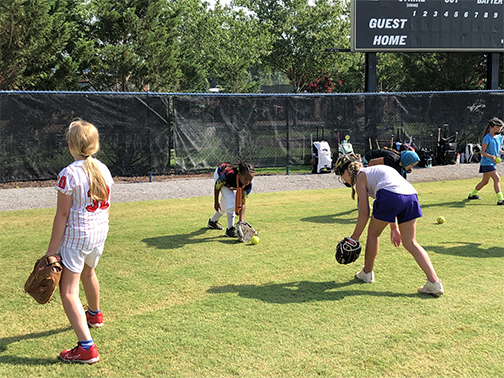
[{"x": 347, "y": 184}]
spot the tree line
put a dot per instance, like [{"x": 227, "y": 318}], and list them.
[{"x": 190, "y": 46}]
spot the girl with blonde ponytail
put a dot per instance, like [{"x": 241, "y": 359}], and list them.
[
  {"x": 80, "y": 228},
  {"x": 83, "y": 138},
  {"x": 396, "y": 203}
]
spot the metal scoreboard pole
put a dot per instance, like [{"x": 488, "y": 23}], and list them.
[
  {"x": 370, "y": 77},
  {"x": 492, "y": 71}
]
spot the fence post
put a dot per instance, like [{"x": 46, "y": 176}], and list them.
[
  {"x": 171, "y": 135},
  {"x": 287, "y": 134}
]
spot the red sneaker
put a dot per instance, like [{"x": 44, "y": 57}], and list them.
[
  {"x": 94, "y": 321},
  {"x": 81, "y": 355}
]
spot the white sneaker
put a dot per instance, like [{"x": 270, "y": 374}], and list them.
[
  {"x": 366, "y": 277},
  {"x": 434, "y": 288}
]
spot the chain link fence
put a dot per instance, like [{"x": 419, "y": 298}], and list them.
[{"x": 144, "y": 134}]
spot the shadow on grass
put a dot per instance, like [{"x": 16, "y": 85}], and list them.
[
  {"x": 305, "y": 291},
  {"x": 466, "y": 250},
  {"x": 180, "y": 240},
  {"x": 333, "y": 219},
  {"x": 460, "y": 204},
  {"x": 14, "y": 360}
]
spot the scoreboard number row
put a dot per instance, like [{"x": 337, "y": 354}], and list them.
[{"x": 456, "y": 14}]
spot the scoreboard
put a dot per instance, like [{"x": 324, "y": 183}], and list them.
[{"x": 427, "y": 25}]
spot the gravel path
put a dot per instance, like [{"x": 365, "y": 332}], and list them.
[{"x": 30, "y": 198}]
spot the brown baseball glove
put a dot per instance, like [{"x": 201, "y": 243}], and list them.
[{"x": 44, "y": 278}]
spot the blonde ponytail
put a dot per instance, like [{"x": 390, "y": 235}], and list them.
[
  {"x": 351, "y": 163},
  {"x": 98, "y": 189},
  {"x": 353, "y": 169}
]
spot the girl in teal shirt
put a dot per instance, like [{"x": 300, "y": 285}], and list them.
[{"x": 490, "y": 151}]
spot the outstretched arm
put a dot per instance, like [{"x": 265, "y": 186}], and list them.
[
  {"x": 363, "y": 217},
  {"x": 217, "y": 206},
  {"x": 241, "y": 214},
  {"x": 395, "y": 234}
]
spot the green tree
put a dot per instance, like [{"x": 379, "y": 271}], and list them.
[
  {"x": 433, "y": 71},
  {"x": 135, "y": 45},
  {"x": 225, "y": 45},
  {"x": 35, "y": 37},
  {"x": 302, "y": 32},
  {"x": 238, "y": 49},
  {"x": 192, "y": 30}
]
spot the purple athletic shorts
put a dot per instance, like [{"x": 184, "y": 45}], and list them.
[{"x": 387, "y": 206}]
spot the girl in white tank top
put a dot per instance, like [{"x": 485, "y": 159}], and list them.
[{"x": 396, "y": 203}]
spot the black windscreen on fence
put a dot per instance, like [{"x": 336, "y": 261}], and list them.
[
  {"x": 134, "y": 132},
  {"x": 142, "y": 134},
  {"x": 276, "y": 131}
]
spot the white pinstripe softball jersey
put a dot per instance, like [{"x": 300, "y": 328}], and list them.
[{"x": 87, "y": 225}]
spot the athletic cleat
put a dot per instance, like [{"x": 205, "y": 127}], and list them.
[
  {"x": 81, "y": 355},
  {"x": 231, "y": 232},
  {"x": 94, "y": 321},
  {"x": 500, "y": 203},
  {"x": 214, "y": 225},
  {"x": 434, "y": 288},
  {"x": 366, "y": 277},
  {"x": 473, "y": 196}
]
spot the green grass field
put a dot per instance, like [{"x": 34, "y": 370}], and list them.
[{"x": 180, "y": 300}]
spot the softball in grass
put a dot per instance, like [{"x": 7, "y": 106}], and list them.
[
  {"x": 498, "y": 160},
  {"x": 254, "y": 240},
  {"x": 440, "y": 220}
]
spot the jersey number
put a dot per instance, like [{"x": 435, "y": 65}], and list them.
[
  {"x": 102, "y": 205},
  {"x": 62, "y": 182}
]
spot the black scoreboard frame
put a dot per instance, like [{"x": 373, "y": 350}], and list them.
[{"x": 427, "y": 25}]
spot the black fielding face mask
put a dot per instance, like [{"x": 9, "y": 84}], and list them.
[{"x": 347, "y": 184}]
